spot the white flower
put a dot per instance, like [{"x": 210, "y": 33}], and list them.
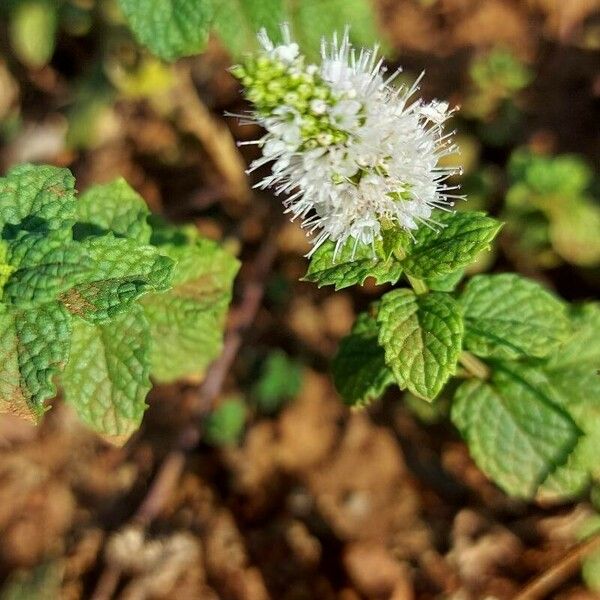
[{"x": 352, "y": 154}]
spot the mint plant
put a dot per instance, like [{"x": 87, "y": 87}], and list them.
[
  {"x": 555, "y": 193},
  {"x": 359, "y": 160},
  {"x": 95, "y": 291}
]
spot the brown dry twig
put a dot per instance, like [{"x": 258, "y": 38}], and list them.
[
  {"x": 172, "y": 466},
  {"x": 549, "y": 580}
]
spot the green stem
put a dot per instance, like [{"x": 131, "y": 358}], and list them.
[
  {"x": 418, "y": 285},
  {"x": 473, "y": 365}
]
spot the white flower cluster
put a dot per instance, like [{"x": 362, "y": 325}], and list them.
[{"x": 352, "y": 153}]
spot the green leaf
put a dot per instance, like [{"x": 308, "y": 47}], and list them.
[
  {"x": 34, "y": 346},
  {"x": 508, "y": 316},
  {"x": 37, "y": 198},
  {"x": 515, "y": 433},
  {"x": 44, "y": 265},
  {"x": 280, "y": 379},
  {"x": 224, "y": 426},
  {"x": 187, "y": 322},
  {"x": 238, "y": 21},
  {"x": 445, "y": 283},
  {"x": 573, "y": 374},
  {"x": 33, "y": 31},
  {"x": 108, "y": 374},
  {"x": 313, "y": 19},
  {"x": 421, "y": 336},
  {"x": 114, "y": 207},
  {"x": 454, "y": 246},
  {"x": 169, "y": 28},
  {"x": 350, "y": 266},
  {"x": 359, "y": 370},
  {"x": 6, "y": 270},
  {"x": 122, "y": 272}
]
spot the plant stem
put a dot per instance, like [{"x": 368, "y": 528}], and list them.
[
  {"x": 418, "y": 285},
  {"x": 473, "y": 365},
  {"x": 548, "y": 581}
]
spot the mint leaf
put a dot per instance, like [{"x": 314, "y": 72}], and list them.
[
  {"x": 37, "y": 198},
  {"x": 187, "y": 322},
  {"x": 280, "y": 379},
  {"x": 515, "y": 433},
  {"x": 445, "y": 283},
  {"x": 44, "y": 265},
  {"x": 508, "y": 316},
  {"x": 34, "y": 346},
  {"x": 224, "y": 426},
  {"x": 108, "y": 374},
  {"x": 238, "y": 21},
  {"x": 114, "y": 207},
  {"x": 122, "y": 272},
  {"x": 352, "y": 265},
  {"x": 6, "y": 270},
  {"x": 313, "y": 19},
  {"x": 359, "y": 370},
  {"x": 169, "y": 28},
  {"x": 440, "y": 252},
  {"x": 421, "y": 336},
  {"x": 573, "y": 374}
]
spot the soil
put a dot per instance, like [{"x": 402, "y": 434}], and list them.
[{"x": 316, "y": 502}]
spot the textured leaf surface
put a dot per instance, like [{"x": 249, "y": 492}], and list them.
[
  {"x": 421, "y": 336},
  {"x": 359, "y": 370},
  {"x": 34, "y": 346},
  {"x": 108, "y": 374},
  {"x": 169, "y": 28},
  {"x": 187, "y": 322},
  {"x": 515, "y": 433},
  {"x": 113, "y": 207},
  {"x": 508, "y": 316},
  {"x": 350, "y": 266},
  {"x": 122, "y": 272},
  {"x": 456, "y": 245},
  {"x": 44, "y": 265},
  {"x": 37, "y": 198},
  {"x": 573, "y": 374},
  {"x": 6, "y": 270},
  {"x": 238, "y": 21}
]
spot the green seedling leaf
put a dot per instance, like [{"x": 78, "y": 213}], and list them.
[
  {"x": 421, "y": 336},
  {"x": 123, "y": 271},
  {"x": 455, "y": 245},
  {"x": 34, "y": 347},
  {"x": 351, "y": 266},
  {"x": 114, "y": 207},
  {"x": 280, "y": 379},
  {"x": 573, "y": 374},
  {"x": 169, "y": 28},
  {"x": 238, "y": 21},
  {"x": 508, "y": 316},
  {"x": 187, "y": 322},
  {"x": 224, "y": 426},
  {"x": 108, "y": 374},
  {"x": 359, "y": 370},
  {"x": 515, "y": 433},
  {"x": 32, "y": 31},
  {"x": 36, "y": 198}
]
